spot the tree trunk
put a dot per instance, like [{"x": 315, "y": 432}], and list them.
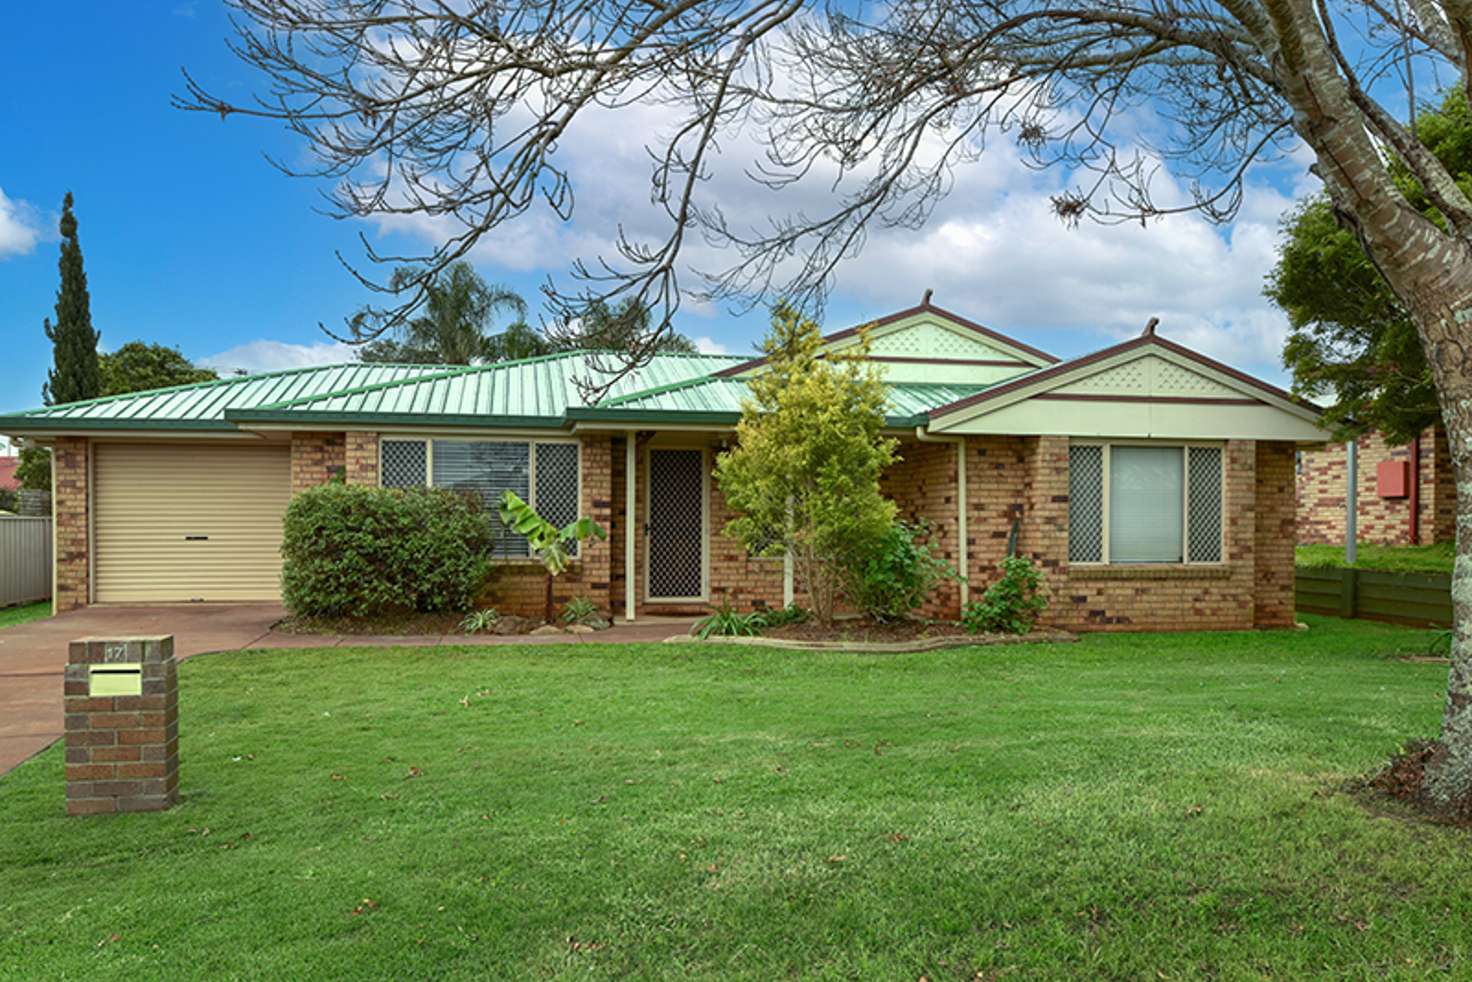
[
  {"x": 1445, "y": 326},
  {"x": 547, "y": 615}
]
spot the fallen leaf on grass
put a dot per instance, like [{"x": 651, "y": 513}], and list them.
[
  {"x": 366, "y": 905},
  {"x": 898, "y": 837},
  {"x": 465, "y": 702},
  {"x": 838, "y": 859},
  {"x": 339, "y": 777},
  {"x": 1193, "y": 810},
  {"x": 576, "y": 945},
  {"x": 110, "y": 939},
  {"x": 414, "y": 772}
]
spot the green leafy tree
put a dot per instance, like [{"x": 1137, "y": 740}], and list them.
[
  {"x": 76, "y": 374},
  {"x": 451, "y": 329},
  {"x": 520, "y": 340},
  {"x": 804, "y": 473},
  {"x": 138, "y": 366},
  {"x": 1352, "y": 342},
  {"x": 549, "y": 544}
]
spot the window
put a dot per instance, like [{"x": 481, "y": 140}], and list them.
[
  {"x": 543, "y": 474},
  {"x": 1144, "y": 503}
]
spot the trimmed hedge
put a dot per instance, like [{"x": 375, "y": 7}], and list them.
[{"x": 355, "y": 551}]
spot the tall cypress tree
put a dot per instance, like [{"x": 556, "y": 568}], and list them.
[{"x": 74, "y": 342}]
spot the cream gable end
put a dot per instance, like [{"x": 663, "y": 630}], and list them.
[
  {"x": 1151, "y": 376},
  {"x": 1148, "y": 389}
]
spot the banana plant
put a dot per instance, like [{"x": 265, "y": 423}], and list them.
[{"x": 547, "y": 543}]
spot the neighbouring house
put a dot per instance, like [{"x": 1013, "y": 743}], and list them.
[
  {"x": 1154, "y": 485},
  {"x": 8, "y": 480},
  {"x": 1406, "y": 495}
]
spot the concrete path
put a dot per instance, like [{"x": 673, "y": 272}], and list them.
[{"x": 33, "y": 655}]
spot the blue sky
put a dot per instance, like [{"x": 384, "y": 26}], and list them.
[{"x": 192, "y": 239}]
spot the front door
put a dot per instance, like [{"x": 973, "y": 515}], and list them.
[{"x": 675, "y": 533}]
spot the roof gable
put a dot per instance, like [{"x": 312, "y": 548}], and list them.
[
  {"x": 928, "y": 343},
  {"x": 1145, "y": 387}
]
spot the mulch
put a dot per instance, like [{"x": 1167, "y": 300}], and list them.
[
  {"x": 447, "y": 622},
  {"x": 866, "y": 630},
  {"x": 1404, "y": 777}
]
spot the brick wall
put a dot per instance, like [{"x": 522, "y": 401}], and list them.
[
  {"x": 316, "y": 458},
  {"x": 922, "y": 483},
  {"x": 746, "y": 582},
  {"x": 361, "y": 457},
  {"x": 1027, "y": 478},
  {"x": 69, "y": 475},
  {"x": 1276, "y": 516},
  {"x": 1382, "y": 521}
]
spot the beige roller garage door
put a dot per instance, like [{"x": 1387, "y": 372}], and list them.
[{"x": 189, "y": 522}]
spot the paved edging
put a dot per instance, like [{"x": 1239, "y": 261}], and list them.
[{"x": 884, "y": 647}]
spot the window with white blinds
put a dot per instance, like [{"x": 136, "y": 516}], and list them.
[
  {"x": 1145, "y": 503},
  {"x": 543, "y": 474}
]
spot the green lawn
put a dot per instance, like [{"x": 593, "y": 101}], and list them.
[
  {"x": 1128, "y": 807},
  {"x": 1436, "y": 558},
  {"x": 11, "y": 616}
]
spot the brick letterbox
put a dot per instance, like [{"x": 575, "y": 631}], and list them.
[{"x": 122, "y": 725}]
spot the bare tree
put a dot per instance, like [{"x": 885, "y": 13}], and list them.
[{"x": 454, "y": 111}]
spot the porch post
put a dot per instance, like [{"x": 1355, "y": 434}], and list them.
[
  {"x": 961, "y": 553},
  {"x": 630, "y": 492}
]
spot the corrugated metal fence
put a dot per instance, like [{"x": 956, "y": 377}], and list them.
[{"x": 25, "y": 559}]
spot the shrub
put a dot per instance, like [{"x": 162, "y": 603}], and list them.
[
  {"x": 580, "y": 610},
  {"x": 354, "y": 551},
  {"x": 791, "y": 614},
  {"x": 480, "y": 621},
  {"x": 893, "y": 578},
  {"x": 1012, "y": 604},
  {"x": 727, "y": 621}
]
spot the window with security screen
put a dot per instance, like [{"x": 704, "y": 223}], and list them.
[
  {"x": 1085, "y": 504},
  {"x": 404, "y": 463},
  {"x": 1204, "y": 513},
  {"x": 1145, "y": 503},
  {"x": 545, "y": 475},
  {"x": 556, "y": 495}
]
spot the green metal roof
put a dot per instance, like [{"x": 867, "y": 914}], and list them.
[
  {"x": 534, "y": 392},
  {"x": 203, "y": 405},
  {"x": 531, "y": 392},
  {"x": 713, "y": 399}
]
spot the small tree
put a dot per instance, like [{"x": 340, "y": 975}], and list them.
[
  {"x": 547, "y": 542},
  {"x": 76, "y": 374},
  {"x": 804, "y": 474}
]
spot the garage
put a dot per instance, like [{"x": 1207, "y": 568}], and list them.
[{"x": 178, "y": 522}]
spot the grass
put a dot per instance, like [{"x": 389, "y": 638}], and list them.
[
  {"x": 1436, "y": 558},
  {"x": 1127, "y": 807},
  {"x": 11, "y": 616}
]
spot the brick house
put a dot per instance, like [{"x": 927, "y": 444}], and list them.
[
  {"x": 1407, "y": 495},
  {"x": 1154, "y": 485}
]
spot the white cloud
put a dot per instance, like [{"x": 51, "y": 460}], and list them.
[
  {"x": 19, "y": 227},
  {"x": 267, "y": 356},
  {"x": 708, "y": 345},
  {"x": 993, "y": 250}
]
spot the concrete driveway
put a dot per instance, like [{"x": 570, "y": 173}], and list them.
[{"x": 33, "y": 655}]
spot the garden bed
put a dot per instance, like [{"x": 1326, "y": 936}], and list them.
[
  {"x": 413, "y": 624},
  {"x": 866, "y": 634}
]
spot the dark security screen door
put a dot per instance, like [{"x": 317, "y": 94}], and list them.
[{"x": 676, "y": 524}]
